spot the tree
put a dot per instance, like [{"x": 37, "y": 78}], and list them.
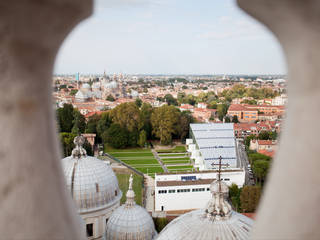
[
  {"x": 138, "y": 102},
  {"x": 115, "y": 136},
  {"x": 182, "y": 129},
  {"x": 104, "y": 123},
  {"x": 235, "y": 119},
  {"x": 249, "y": 197},
  {"x": 222, "y": 110},
  {"x": 73, "y": 92},
  {"x": 248, "y": 139},
  {"x": 110, "y": 98},
  {"x": 142, "y": 138},
  {"x": 145, "y": 112},
  {"x": 65, "y": 118},
  {"x": 127, "y": 115},
  {"x": 260, "y": 170},
  {"x": 79, "y": 122},
  {"x": 264, "y": 135},
  {"x": 164, "y": 120},
  {"x": 170, "y": 100},
  {"x": 227, "y": 119},
  {"x": 234, "y": 196}
]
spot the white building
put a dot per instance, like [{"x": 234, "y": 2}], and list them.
[
  {"x": 188, "y": 191},
  {"x": 209, "y": 141}
]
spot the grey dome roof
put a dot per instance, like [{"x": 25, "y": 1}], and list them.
[
  {"x": 86, "y": 86},
  {"x": 130, "y": 221},
  {"x": 194, "y": 226},
  {"x": 133, "y": 223},
  {"x": 91, "y": 182},
  {"x": 215, "y": 222}
]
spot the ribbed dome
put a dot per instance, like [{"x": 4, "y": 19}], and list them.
[
  {"x": 215, "y": 222},
  {"x": 85, "y": 86},
  {"x": 130, "y": 221},
  {"x": 195, "y": 226},
  {"x": 91, "y": 182}
]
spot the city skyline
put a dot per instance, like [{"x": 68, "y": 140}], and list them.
[{"x": 152, "y": 37}]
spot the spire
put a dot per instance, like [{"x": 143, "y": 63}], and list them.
[
  {"x": 79, "y": 151},
  {"x": 218, "y": 208},
  {"x": 130, "y": 194}
]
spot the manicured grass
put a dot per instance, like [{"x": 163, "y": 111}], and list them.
[
  {"x": 172, "y": 155},
  {"x": 177, "y": 149},
  {"x": 179, "y": 168},
  {"x": 123, "y": 180},
  {"x": 176, "y": 162},
  {"x": 137, "y": 161},
  {"x": 110, "y": 149},
  {"x": 150, "y": 169},
  {"x": 138, "y": 158},
  {"x": 174, "y": 159},
  {"x": 142, "y": 154}
]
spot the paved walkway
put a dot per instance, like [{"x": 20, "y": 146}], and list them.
[
  {"x": 149, "y": 193},
  {"x": 155, "y": 154}
]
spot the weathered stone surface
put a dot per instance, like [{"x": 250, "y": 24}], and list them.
[
  {"x": 289, "y": 208},
  {"x": 34, "y": 203}
]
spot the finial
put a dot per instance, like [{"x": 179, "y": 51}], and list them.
[
  {"x": 79, "y": 151},
  {"x": 218, "y": 208},
  {"x": 130, "y": 194}
]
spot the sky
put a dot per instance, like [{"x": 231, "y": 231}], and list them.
[{"x": 170, "y": 37}]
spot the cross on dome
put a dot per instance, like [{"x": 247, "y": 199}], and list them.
[{"x": 218, "y": 208}]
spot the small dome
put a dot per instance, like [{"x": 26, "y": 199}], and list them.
[
  {"x": 111, "y": 85},
  {"x": 130, "y": 221},
  {"x": 86, "y": 86},
  {"x": 92, "y": 183},
  {"x": 96, "y": 85}
]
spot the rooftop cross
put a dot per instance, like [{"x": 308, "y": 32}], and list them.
[
  {"x": 218, "y": 208},
  {"x": 219, "y": 170}
]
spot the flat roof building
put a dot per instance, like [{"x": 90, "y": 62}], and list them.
[{"x": 209, "y": 141}]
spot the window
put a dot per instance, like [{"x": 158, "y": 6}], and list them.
[
  {"x": 90, "y": 230},
  {"x": 116, "y": 193},
  {"x": 172, "y": 191},
  {"x": 208, "y": 189},
  {"x": 162, "y": 191},
  {"x": 97, "y": 187}
]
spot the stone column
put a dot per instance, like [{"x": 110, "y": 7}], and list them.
[
  {"x": 290, "y": 207},
  {"x": 34, "y": 203}
]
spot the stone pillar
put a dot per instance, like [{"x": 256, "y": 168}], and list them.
[
  {"x": 34, "y": 203},
  {"x": 290, "y": 207}
]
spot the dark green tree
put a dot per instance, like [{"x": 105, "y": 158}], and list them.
[
  {"x": 116, "y": 136},
  {"x": 235, "y": 119},
  {"x": 138, "y": 102},
  {"x": 249, "y": 197},
  {"x": 65, "y": 118}
]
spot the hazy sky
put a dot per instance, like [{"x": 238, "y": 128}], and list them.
[{"x": 170, "y": 37}]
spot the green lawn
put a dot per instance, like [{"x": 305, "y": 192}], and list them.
[
  {"x": 175, "y": 159},
  {"x": 138, "y": 161},
  {"x": 123, "y": 180},
  {"x": 138, "y": 158},
  {"x": 177, "y": 149},
  {"x": 172, "y": 155},
  {"x": 136, "y": 154},
  {"x": 110, "y": 149},
  {"x": 180, "y": 168}
]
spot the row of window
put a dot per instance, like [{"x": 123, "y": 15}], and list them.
[{"x": 183, "y": 190}]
